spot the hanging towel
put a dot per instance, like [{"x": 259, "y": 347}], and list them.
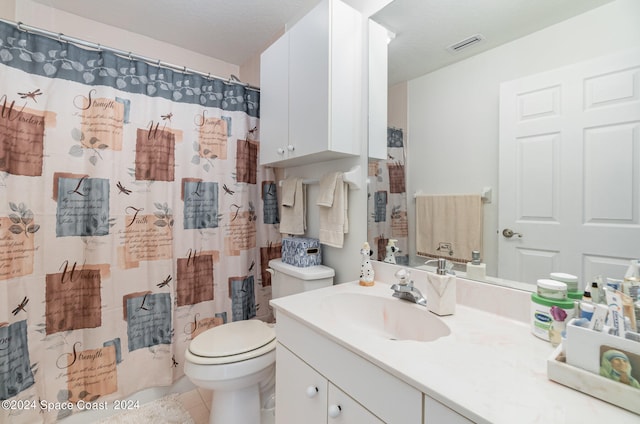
[
  {"x": 448, "y": 226},
  {"x": 292, "y": 207},
  {"x": 333, "y": 202}
]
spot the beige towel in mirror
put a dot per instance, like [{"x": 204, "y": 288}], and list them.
[{"x": 449, "y": 226}]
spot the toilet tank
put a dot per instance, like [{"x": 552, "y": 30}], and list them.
[{"x": 289, "y": 279}]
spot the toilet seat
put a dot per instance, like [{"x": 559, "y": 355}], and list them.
[{"x": 232, "y": 342}]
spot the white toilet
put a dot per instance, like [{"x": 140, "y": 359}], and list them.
[{"x": 237, "y": 360}]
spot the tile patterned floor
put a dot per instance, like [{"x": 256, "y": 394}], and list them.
[{"x": 197, "y": 402}]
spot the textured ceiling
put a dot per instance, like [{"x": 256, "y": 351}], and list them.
[
  {"x": 236, "y": 30},
  {"x": 425, "y": 28}
]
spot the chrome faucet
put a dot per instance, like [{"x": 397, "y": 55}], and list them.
[{"x": 404, "y": 289}]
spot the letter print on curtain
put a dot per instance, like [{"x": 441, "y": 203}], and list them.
[{"x": 133, "y": 216}]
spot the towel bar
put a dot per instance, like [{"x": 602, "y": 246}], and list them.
[
  {"x": 351, "y": 177},
  {"x": 486, "y": 194}
]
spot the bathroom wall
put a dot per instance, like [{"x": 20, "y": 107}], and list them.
[
  {"x": 453, "y": 112},
  {"x": 397, "y": 106},
  {"x": 41, "y": 16}
]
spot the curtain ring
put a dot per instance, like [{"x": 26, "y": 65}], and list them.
[
  {"x": 130, "y": 58},
  {"x": 158, "y": 64},
  {"x": 60, "y": 37},
  {"x": 19, "y": 26}
]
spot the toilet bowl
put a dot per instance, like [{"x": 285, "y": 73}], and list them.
[{"x": 237, "y": 362}]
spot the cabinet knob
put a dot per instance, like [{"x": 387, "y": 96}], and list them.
[
  {"x": 291, "y": 147},
  {"x": 334, "y": 411},
  {"x": 312, "y": 391},
  {"x": 280, "y": 151}
]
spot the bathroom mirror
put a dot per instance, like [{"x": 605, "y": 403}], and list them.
[{"x": 447, "y": 104}]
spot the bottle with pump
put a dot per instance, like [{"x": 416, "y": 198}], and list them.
[
  {"x": 441, "y": 289},
  {"x": 390, "y": 256},
  {"x": 476, "y": 270}
]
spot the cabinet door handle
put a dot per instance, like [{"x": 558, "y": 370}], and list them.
[
  {"x": 291, "y": 147},
  {"x": 334, "y": 411},
  {"x": 312, "y": 391},
  {"x": 280, "y": 151}
]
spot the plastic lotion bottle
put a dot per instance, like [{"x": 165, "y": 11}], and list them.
[
  {"x": 476, "y": 270},
  {"x": 441, "y": 290}
]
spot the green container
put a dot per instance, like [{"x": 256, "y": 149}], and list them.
[{"x": 541, "y": 318}]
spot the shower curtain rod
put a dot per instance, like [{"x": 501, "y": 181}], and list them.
[{"x": 77, "y": 41}]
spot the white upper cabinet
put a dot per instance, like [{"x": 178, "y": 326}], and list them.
[{"x": 311, "y": 83}]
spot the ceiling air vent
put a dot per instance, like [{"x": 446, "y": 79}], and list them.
[{"x": 467, "y": 42}]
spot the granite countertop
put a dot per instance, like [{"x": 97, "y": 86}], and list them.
[{"x": 490, "y": 369}]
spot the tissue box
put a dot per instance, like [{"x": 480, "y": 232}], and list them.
[{"x": 301, "y": 252}]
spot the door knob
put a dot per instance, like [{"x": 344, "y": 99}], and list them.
[{"x": 508, "y": 233}]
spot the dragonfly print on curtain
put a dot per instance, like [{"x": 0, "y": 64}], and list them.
[{"x": 133, "y": 216}]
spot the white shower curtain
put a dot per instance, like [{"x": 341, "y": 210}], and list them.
[{"x": 133, "y": 216}]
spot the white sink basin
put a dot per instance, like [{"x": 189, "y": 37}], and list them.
[{"x": 389, "y": 318}]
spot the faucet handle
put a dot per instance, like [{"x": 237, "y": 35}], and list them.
[{"x": 402, "y": 275}]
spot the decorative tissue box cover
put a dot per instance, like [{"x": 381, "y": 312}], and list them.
[{"x": 301, "y": 252}]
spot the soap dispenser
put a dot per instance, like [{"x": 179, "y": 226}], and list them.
[
  {"x": 391, "y": 250},
  {"x": 441, "y": 289},
  {"x": 476, "y": 270}
]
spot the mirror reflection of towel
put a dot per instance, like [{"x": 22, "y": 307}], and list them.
[
  {"x": 448, "y": 226},
  {"x": 292, "y": 207},
  {"x": 333, "y": 202}
]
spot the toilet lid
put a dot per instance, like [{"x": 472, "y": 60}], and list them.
[{"x": 233, "y": 338}]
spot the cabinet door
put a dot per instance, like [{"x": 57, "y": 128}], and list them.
[
  {"x": 274, "y": 101},
  {"x": 309, "y": 82},
  {"x": 301, "y": 393},
  {"x": 342, "y": 409},
  {"x": 437, "y": 413}
]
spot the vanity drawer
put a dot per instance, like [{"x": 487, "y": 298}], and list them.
[{"x": 386, "y": 396}]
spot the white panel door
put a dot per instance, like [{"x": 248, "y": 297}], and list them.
[
  {"x": 570, "y": 170},
  {"x": 309, "y": 82}
]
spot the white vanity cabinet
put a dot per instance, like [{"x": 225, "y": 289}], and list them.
[
  {"x": 310, "y": 398},
  {"x": 307, "y": 360},
  {"x": 437, "y": 413},
  {"x": 311, "y": 89}
]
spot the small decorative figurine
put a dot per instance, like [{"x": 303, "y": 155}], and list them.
[
  {"x": 391, "y": 249},
  {"x": 366, "y": 270}
]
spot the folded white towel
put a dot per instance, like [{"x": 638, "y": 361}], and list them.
[
  {"x": 328, "y": 188},
  {"x": 333, "y": 202},
  {"x": 292, "y": 207},
  {"x": 289, "y": 191}
]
